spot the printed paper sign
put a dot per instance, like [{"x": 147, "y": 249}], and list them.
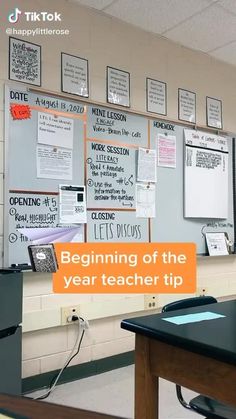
[
  {"x": 216, "y": 243},
  {"x": 118, "y": 87},
  {"x": 214, "y": 113},
  {"x": 145, "y": 200},
  {"x": 24, "y": 61},
  {"x": 187, "y": 106},
  {"x": 147, "y": 165},
  {"x": 156, "y": 96},
  {"x": 54, "y": 163},
  {"x": 166, "y": 150},
  {"x": 74, "y": 75},
  {"x": 72, "y": 204},
  {"x": 55, "y": 130}
]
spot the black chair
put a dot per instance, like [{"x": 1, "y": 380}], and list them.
[{"x": 202, "y": 405}]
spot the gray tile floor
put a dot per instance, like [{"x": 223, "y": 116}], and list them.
[{"x": 113, "y": 392}]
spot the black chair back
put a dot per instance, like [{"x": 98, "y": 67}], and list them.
[{"x": 189, "y": 302}]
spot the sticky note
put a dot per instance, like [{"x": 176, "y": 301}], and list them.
[{"x": 193, "y": 318}]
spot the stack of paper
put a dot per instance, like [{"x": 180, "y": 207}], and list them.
[{"x": 53, "y": 235}]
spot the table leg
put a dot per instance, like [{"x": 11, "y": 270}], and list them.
[{"x": 146, "y": 384}]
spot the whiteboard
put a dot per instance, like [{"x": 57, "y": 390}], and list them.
[
  {"x": 206, "y": 175},
  {"x": 170, "y": 223},
  {"x": 104, "y": 160},
  {"x": 30, "y": 201},
  {"x": 104, "y": 152}
]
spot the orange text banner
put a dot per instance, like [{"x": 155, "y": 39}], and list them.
[{"x": 145, "y": 268}]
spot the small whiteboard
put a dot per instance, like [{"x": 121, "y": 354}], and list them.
[{"x": 206, "y": 175}]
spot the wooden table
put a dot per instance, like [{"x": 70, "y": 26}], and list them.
[
  {"x": 200, "y": 356},
  {"x": 27, "y": 408}
]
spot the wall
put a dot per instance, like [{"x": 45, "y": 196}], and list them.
[{"x": 105, "y": 41}]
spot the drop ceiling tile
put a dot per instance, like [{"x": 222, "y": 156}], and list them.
[
  {"x": 95, "y": 4},
  {"x": 229, "y": 5},
  {"x": 156, "y": 15},
  {"x": 208, "y": 30},
  {"x": 226, "y": 53}
]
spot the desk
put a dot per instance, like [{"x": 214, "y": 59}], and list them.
[
  {"x": 200, "y": 356},
  {"x": 33, "y": 409}
]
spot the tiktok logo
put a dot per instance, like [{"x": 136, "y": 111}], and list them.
[{"x": 14, "y": 17}]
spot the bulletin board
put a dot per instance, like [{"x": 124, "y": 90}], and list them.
[
  {"x": 103, "y": 156},
  {"x": 170, "y": 223}
]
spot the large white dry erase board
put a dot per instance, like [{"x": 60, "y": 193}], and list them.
[
  {"x": 99, "y": 149},
  {"x": 170, "y": 223},
  {"x": 32, "y": 201},
  {"x": 206, "y": 175}
]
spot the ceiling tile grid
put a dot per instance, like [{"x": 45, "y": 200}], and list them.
[
  {"x": 226, "y": 53},
  {"x": 207, "y": 30},
  {"x": 229, "y": 5},
  {"x": 95, "y": 4},
  {"x": 204, "y": 25},
  {"x": 156, "y": 15}
]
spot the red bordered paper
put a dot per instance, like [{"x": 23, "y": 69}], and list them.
[{"x": 20, "y": 111}]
